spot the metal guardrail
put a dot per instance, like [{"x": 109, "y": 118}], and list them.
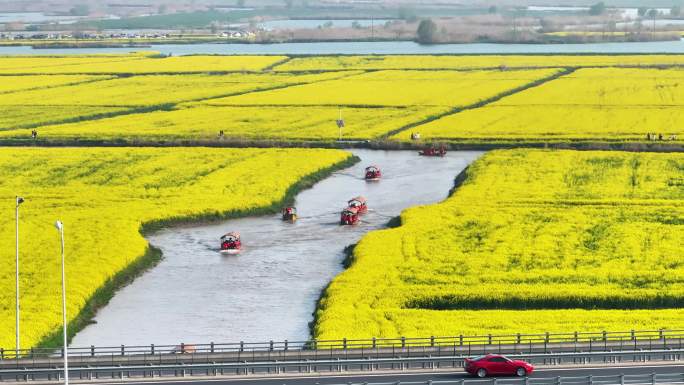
[
  {"x": 322, "y": 366},
  {"x": 588, "y": 341}
]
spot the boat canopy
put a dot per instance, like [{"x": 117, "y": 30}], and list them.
[
  {"x": 232, "y": 236},
  {"x": 357, "y": 201}
]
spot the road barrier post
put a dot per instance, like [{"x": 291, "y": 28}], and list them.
[
  {"x": 92, "y": 350},
  {"x": 123, "y": 350},
  {"x": 152, "y": 349},
  {"x": 211, "y": 347}
]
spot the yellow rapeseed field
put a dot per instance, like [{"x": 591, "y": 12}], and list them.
[
  {"x": 533, "y": 241},
  {"x": 601, "y": 104},
  {"x": 134, "y": 64},
  {"x": 397, "y": 88},
  {"x": 103, "y": 196},
  {"x": 56, "y": 64},
  {"x": 381, "y": 95},
  {"x": 157, "y": 89},
  {"x": 27, "y": 82},
  {"x": 42, "y": 104},
  {"x": 379, "y": 62},
  {"x": 15, "y": 117},
  {"x": 607, "y": 87},
  {"x": 205, "y": 122}
]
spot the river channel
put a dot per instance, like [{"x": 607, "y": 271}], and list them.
[{"x": 269, "y": 291}]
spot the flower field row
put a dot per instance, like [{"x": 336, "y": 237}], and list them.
[
  {"x": 533, "y": 241},
  {"x": 103, "y": 196},
  {"x": 397, "y": 88},
  {"x": 265, "y": 106},
  {"x": 11, "y": 84},
  {"x": 16, "y": 117},
  {"x": 110, "y": 95},
  {"x": 57, "y": 64},
  {"x": 399, "y": 62},
  {"x": 254, "y": 122},
  {"x": 603, "y": 104},
  {"x": 556, "y": 103},
  {"x": 141, "y": 63},
  {"x": 154, "y": 89}
]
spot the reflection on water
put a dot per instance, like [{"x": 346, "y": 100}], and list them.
[{"x": 269, "y": 291}]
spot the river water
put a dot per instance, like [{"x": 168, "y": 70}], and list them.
[
  {"x": 269, "y": 291},
  {"x": 363, "y": 48}
]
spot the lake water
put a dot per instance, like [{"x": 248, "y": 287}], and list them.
[{"x": 363, "y": 48}]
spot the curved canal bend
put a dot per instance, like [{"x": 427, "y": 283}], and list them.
[{"x": 269, "y": 291}]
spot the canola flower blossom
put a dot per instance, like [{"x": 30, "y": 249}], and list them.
[
  {"x": 533, "y": 241},
  {"x": 105, "y": 195},
  {"x": 592, "y": 104}
]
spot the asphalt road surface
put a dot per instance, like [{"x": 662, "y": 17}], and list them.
[{"x": 391, "y": 378}]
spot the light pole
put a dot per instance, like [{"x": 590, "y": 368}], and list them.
[
  {"x": 60, "y": 227},
  {"x": 19, "y": 201}
]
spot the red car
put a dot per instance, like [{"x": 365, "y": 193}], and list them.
[{"x": 494, "y": 364}]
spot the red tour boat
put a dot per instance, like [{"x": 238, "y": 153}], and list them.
[
  {"x": 230, "y": 243},
  {"x": 433, "y": 151},
  {"x": 349, "y": 216},
  {"x": 373, "y": 173}
]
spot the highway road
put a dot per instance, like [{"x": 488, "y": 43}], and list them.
[{"x": 389, "y": 378}]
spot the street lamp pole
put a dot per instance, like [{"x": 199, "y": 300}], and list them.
[
  {"x": 60, "y": 227},
  {"x": 19, "y": 201}
]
